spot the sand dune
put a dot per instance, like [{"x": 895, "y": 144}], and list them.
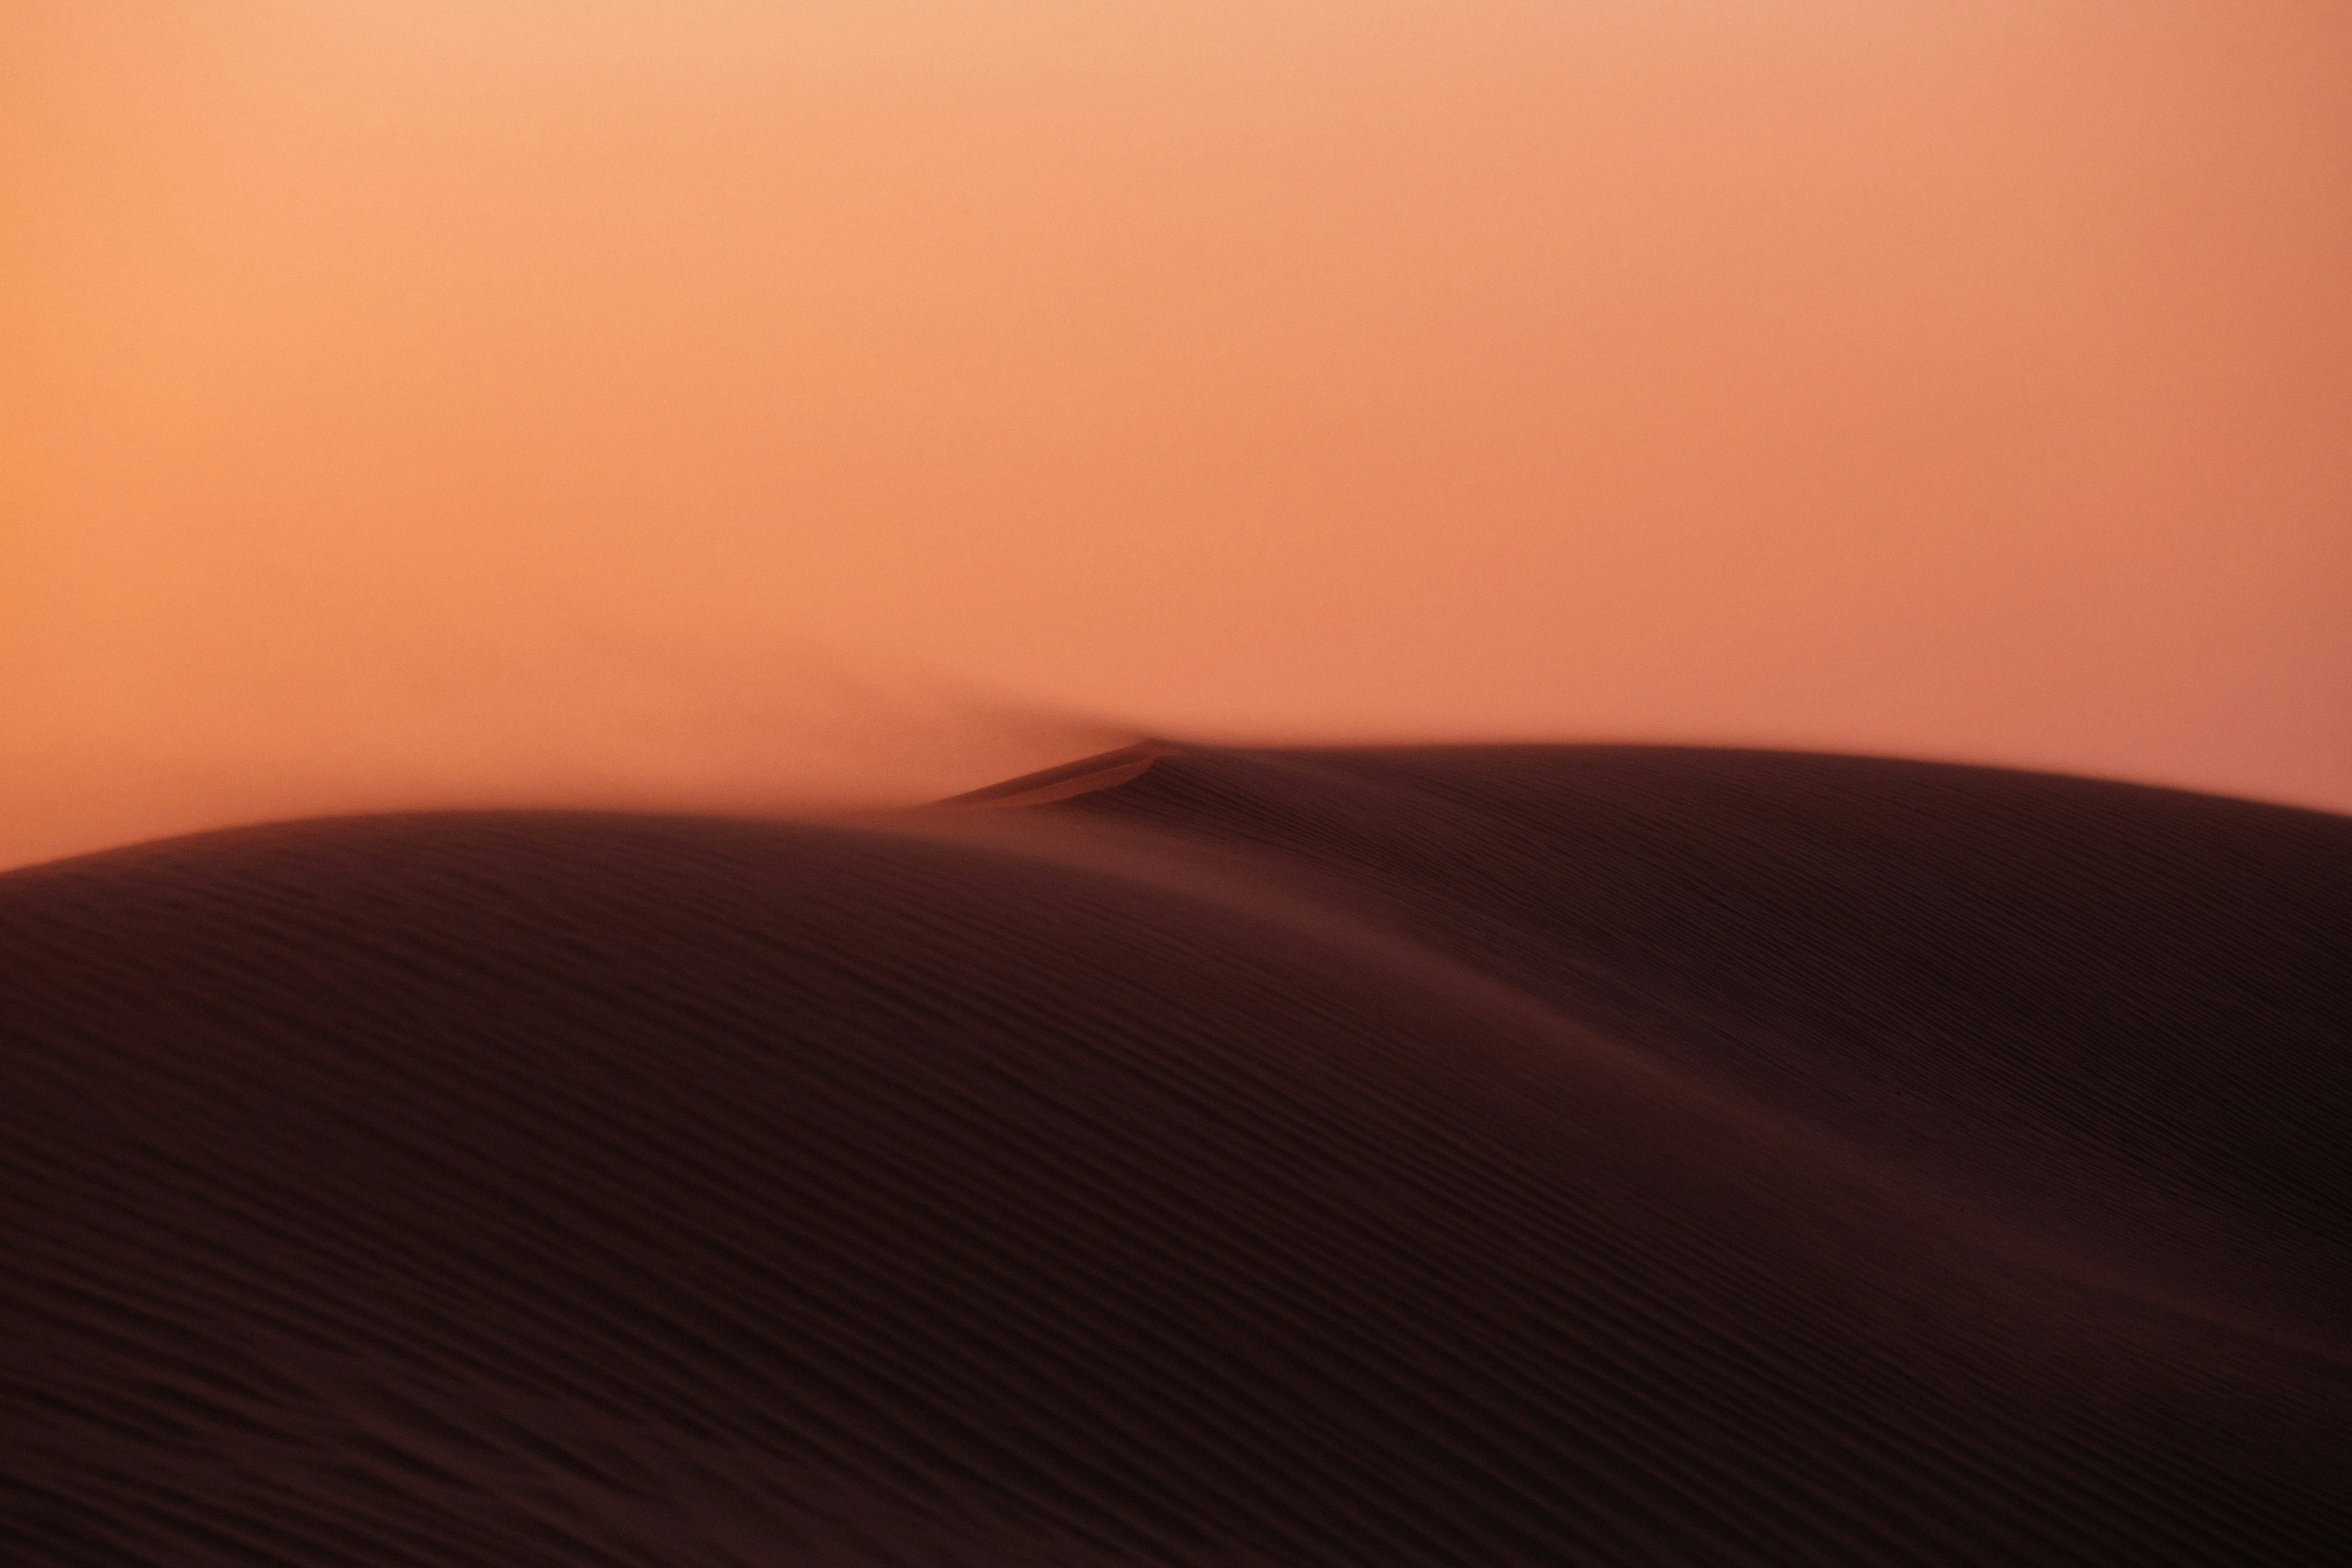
[
  {"x": 1084, "y": 776},
  {"x": 1472, "y": 1155}
]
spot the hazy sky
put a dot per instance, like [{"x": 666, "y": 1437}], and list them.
[{"x": 742, "y": 402}]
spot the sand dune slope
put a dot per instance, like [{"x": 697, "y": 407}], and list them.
[{"x": 1481, "y": 1156}]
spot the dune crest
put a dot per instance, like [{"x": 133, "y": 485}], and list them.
[{"x": 1106, "y": 770}]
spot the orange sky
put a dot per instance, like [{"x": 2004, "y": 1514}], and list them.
[{"x": 737, "y": 403}]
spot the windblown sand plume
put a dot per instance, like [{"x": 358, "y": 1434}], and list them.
[{"x": 1474, "y": 1155}]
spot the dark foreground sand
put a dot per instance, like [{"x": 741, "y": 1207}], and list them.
[{"x": 1489, "y": 1157}]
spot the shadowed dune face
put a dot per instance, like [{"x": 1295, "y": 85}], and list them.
[{"x": 1455, "y": 1156}]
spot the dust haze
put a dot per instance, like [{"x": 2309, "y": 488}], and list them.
[{"x": 501, "y": 402}]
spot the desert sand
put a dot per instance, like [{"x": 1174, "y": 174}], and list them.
[{"x": 1506, "y": 1155}]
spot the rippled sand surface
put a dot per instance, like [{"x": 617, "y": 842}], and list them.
[{"x": 1470, "y": 1155}]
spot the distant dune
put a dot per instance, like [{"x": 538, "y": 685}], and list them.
[{"x": 1468, "y": 1156}]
